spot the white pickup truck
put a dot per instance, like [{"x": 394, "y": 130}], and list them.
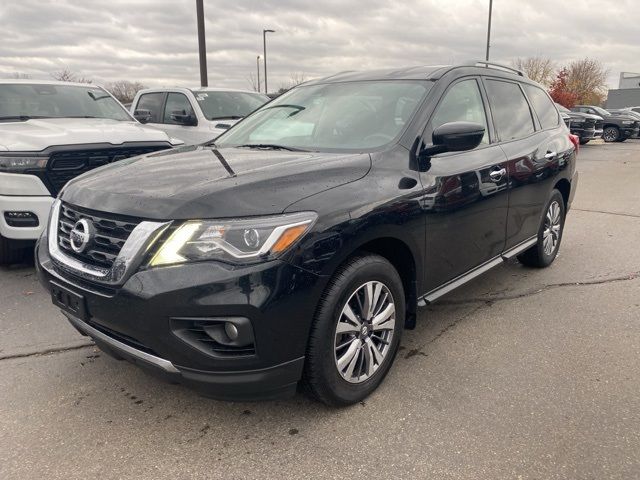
[
  {"x": 194, "y": 115},
  {"x": 51, "y": 132}
]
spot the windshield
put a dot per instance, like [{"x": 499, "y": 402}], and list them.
[
  {"x": 220, "y": 105},
  {"x": 601, "y": 111},
  {"x": 24, "y": 101},
  {"x": 351, "y": 116}
]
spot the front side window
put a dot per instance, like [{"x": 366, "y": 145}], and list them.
[
  {"x": 349, "y": 116},
  {"x": 58, "y": 101},
  {"x": 511, "y": 113},
  {"x": 462, "y": 103},
  {"x": 222, "y": 105},
  {"x": 153, "y": 103},
  {"x": 177, "y": 103},
  {"x": 543, "y": 106}
]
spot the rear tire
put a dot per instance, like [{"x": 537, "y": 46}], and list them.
[
  {"x": 544, "y": 252},
  {"x": 611, "y": 134},
  {"x": 9, "y": 253},
  {"x": 342, "y": 366}
]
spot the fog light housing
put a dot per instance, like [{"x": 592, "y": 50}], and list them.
[
  {"x": 21, "y": 219},
  {"x": 218, "y": 336}
]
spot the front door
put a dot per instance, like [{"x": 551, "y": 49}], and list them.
[{"x": 465, "y": 193}]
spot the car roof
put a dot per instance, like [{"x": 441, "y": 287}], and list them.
[
  {"x": 34, "y": 81},
  {"x": 425, "y": 72}
]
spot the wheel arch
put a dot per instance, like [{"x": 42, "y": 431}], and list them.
[
  {"x": 564, "y": 187},
  {"x": 399, "y": 254}
]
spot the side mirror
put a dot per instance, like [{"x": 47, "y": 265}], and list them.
[
  {"x": 183, "y": 118},
  {"x": 454, "y": 137},
  {"x": 142, "y": 115}
]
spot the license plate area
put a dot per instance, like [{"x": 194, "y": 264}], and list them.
[{"x": 69, "y": 301}]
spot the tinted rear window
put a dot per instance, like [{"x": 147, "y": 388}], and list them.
[
  {"x": 511, "y": 113},
  {"x": 543, "y": 107}
]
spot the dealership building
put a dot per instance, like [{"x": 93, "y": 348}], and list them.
[{"x": 628, "y": 92}]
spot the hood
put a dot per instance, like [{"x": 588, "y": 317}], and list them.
[
  {"x": 584, "y": 115},
  {"x": 203, "y": 182},
  {"x": 37, "y": 134}
]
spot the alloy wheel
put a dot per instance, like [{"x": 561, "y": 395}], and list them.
[
  {"x": 610, "y": 135},
  {"x": 552, "y": 227},
  {"x": 364, "y": 332}
]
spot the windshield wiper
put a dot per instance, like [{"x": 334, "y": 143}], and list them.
[
  {"x": 20, "y": 118},
  {"x": 270, "y": 146},
  {"x": 227, "y": 117}
]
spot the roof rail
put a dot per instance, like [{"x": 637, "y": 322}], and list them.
[{"x": 497, "y": 66}]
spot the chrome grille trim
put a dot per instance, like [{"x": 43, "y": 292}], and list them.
[{"x": 127, "y": 260}]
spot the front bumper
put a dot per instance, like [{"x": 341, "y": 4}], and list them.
[
  {"x": 134, "y": 322},
  {"x": 20, "y": 192}
]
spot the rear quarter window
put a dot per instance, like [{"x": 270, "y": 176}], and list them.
[{"x": 546, "y": 112}]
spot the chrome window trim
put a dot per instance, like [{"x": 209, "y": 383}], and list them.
[{"x": 129, "y": 258}]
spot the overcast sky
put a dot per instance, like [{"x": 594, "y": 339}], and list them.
[{"x": 155, "y": 41}]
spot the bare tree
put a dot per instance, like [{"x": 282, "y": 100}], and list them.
[
  {"x": 251, "y": 80},
  {"x": 124, "y": 90},
  {"x": 66, "y": 75},
  {"x": 538, "y": 69},
  {"x": 587, "y": 79},
  {"x": 296, "y": 78}
]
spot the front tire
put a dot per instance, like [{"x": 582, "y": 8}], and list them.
[
  {"x": 356, "y": 331},
  {"x": 544, "y": 252},
  {"x": 611, "y": 134},
  {"x": 9, "y": 253}
]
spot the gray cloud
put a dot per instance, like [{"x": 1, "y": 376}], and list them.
[{"x": 154, "y": 41}]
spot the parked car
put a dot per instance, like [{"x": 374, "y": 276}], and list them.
[
  {"x": 617, "y": 128},
  {"x": 51, "y": 132},
  {"x": 584, "y": 125},
  {"x": 299, "y": 245},
  {"x": 632, "y": 113},
  {"x": 194, "y": 115}
]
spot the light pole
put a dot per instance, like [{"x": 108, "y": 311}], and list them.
[
  {"x": 489, "y": 29},
  {"x": 202, "y": 47},
  {"x": 264, "y": 44},
  {"x": 258, "y": 70}
]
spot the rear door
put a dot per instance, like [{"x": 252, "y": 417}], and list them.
[
  {"x": 465, "y": 193},
  {"x": 534, "y": 143}
]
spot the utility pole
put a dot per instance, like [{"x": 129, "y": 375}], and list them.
[
  {"x": 258, "y": 70},
  {"x": 489, "y": 30},
  {"x": 264, "y": 45},
  {"x": 202, "y": 47}
]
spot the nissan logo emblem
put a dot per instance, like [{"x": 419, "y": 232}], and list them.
[{"x": 81, "y": 235}]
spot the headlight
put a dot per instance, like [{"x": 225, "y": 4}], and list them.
[
  {"x": 238, "y": 241},
  {"x": 16, "y": 163},
  {"x": 627, "y": 122}
]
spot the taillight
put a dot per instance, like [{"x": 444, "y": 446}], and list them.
[{"x": 576, "y": 142}]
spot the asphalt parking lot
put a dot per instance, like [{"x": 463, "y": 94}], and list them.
[{"x": 521, "y": 374}]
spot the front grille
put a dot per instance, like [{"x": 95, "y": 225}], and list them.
[
  {"x": 65, "y": 165},
  {"x": 111, "y": 232}
]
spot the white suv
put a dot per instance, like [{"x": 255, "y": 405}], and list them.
[
  {"x": 194, "y": 115},
  {"x": 51, "y": 132}
]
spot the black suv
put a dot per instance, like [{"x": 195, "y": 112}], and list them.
[
  {"x": 297, "y": 248},
  {"x": 617, "y": 127},
  {"x": 585, "y": 126}
]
